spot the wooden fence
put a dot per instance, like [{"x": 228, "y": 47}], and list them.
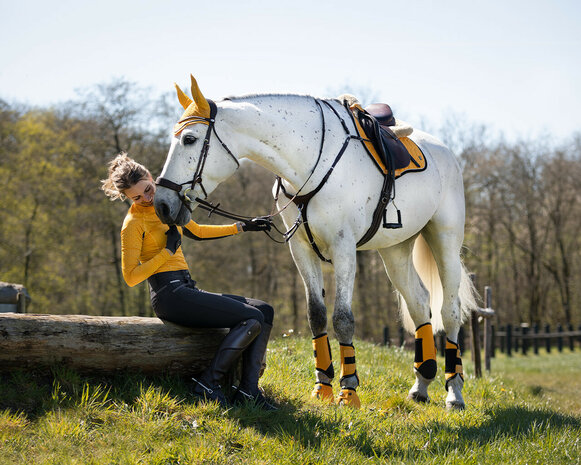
[{"x": 509, "y": 339}]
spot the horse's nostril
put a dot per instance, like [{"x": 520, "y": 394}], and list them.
[{"x": 164, "y": 210}]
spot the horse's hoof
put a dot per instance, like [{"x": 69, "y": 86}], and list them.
[
  {"x": 348, "y": 398},
  {"x": 455, "y": 405},
  {"x": 416, "y": 397},
  {"x": 323, "y": 392}
]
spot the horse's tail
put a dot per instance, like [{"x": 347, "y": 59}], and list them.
[{"x": 426, "y": 267}]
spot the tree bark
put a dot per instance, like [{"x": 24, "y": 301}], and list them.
[{"x": 104, "y": 345}]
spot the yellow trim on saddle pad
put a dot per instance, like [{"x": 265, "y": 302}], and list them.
[
  {"x": 418, "y": 162},
  {"x": 417, "y": 155}
]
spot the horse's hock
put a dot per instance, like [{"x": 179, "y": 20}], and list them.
[{"x": 104, "y": 345}]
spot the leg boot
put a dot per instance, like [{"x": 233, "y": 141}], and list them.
[
  {"x": 236, "y": 341},
  {"x": 252, "y": 358},
  {"x": 324, "y": 371}
]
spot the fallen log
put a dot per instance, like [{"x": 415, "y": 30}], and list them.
[{"x": 104, "y": 345}]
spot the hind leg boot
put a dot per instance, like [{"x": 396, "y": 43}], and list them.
[{"x": 425, "y": 366}]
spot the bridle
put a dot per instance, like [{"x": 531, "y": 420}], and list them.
[
  {"x": 197, "y": 178},
  {"x": 301, "y": 201},
  {"x": 186, "y": 200}
]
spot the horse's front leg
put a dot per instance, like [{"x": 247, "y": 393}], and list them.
[
  {"x": 344, "y": 261},
  {"x": 309, "y": 266}
]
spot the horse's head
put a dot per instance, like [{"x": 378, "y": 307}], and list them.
[{"x": 194, "y": 167}]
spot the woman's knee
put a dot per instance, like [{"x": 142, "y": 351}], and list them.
[{"x": 268, "y": 312}]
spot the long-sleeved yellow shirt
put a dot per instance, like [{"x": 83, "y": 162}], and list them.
[{"x": 143, "y": 241}]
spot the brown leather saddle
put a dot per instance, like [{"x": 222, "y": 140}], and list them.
[{"x": 376, "y": 120}]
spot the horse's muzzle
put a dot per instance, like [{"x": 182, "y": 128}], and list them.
[{"x": 169, "y": 208}]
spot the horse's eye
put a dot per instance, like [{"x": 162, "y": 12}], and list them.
[{"x": 189, "y": 139}]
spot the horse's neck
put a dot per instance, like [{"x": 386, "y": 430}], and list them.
[{"x": 280, "y": 133}]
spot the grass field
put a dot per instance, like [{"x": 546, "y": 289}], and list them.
[{"x": 527, "y": 411}]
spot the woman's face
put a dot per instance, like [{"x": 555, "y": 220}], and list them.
[{"x": 142, "y": 193}]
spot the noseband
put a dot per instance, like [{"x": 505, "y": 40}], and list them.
[{"x": 197, "y": 179}]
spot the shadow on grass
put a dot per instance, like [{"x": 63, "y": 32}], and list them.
[{"x": 36, "y": 394}]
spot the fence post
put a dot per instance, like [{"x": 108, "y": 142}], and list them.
[
  {"x": 517, "y": 340},
  {"x": 536, "y": 340},
  {"x": 571, "y": 338},
  {"x": 487, "y": 328},
  {"x": 493, "y": 337},
  {"x": 386, "y": 335},
  {"x": 509, "y": 340},
  {"x": 548, "y": 339},
  {"x": 503, "y": 339},
  {"x": 442, "y": 345},
  {"x": 401, "y": 336},
  {"x": 476, "y": 345},
  {"x": 461, "y": 336},
  {"x": 525, "y": 341},
  {"x": 560, "y": 338}
]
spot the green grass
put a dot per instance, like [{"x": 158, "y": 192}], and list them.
[{"x": 525, "y": 412}]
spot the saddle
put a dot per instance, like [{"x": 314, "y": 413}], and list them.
[{"x": 377, "y": 121}]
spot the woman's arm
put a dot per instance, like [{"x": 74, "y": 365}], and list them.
[
  {"x": 135, "y": 272},
  {"x": 200, "y": 232}
]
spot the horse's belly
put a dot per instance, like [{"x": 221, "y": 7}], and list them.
[{"x": 417, "y": 198}]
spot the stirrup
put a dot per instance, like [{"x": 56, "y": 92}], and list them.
[
  {"x": 348, "y": 398},
  {"x": 323, "y": 392}
]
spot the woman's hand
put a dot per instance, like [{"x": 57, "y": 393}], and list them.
[
  {"x": 174, "y": 239},
  {"x": 256, "y": 224}
]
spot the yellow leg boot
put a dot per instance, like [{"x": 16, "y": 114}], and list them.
[
  {"x": 323, "y": 392},
  {"x": 349, "y": 380},
  {"x": 348, "y": 398},
  {"x": 425, "y": 366},
  {"x": 324, "y": 366},
  {"x": 425, "y": 359}
]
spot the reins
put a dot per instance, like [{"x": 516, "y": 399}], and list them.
[
  {"x": 197, "y": 179},
  {"x": 301, "y": 201}
]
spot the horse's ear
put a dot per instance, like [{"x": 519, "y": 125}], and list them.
[
  {"x": 201, "y": 102},
  {"x": 185, "y": 101}
]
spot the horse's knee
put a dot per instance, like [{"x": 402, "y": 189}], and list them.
[
  {"x": 344, "y": 324},
  {"x": 317, "y": 315}
]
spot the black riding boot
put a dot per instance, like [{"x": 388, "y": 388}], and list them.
[
  {"x": 251, "y": 366},
  {"x": 234, "y": 344}
]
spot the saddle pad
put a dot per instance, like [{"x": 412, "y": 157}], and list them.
[{"x": 417, "y": 159}]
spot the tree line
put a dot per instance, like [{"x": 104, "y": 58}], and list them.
[{"x": 59, "y": 234}]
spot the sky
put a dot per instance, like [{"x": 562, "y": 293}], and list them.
[{"x": 511, "y": 65}]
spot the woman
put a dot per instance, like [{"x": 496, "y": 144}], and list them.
[{"x": 151, "y": 250}]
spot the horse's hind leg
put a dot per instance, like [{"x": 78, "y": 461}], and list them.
[
  {"x": 400, "y": 268},
  {"x": 445, "y": 245},
  {"x": 309, "y": 266}
]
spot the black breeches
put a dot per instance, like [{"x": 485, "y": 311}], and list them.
[{"x": 176, "y": 299}]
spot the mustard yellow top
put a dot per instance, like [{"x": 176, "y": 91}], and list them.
[{"x": 143, "y": 240}]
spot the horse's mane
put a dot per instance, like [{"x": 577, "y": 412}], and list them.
[{"x": 237, "y": 98}]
